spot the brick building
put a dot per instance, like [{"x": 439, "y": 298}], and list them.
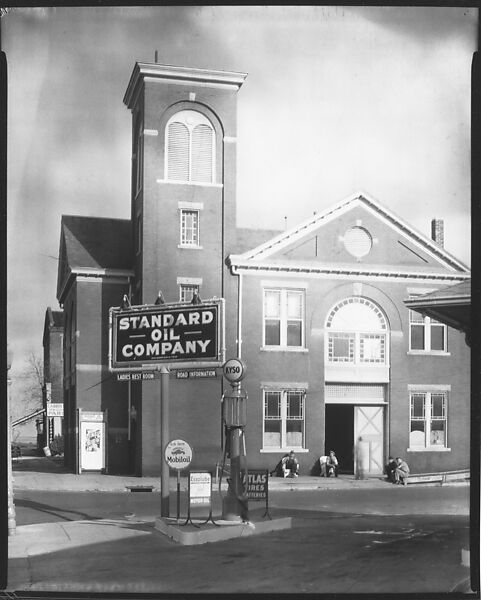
[
  {"x": 316, "y": 312},
  {"x": 52, "y": 372}
]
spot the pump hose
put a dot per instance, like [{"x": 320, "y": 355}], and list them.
[{"x": 223, "y": 466}]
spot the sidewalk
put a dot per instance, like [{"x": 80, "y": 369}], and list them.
[{"x": 47, "y": 473}]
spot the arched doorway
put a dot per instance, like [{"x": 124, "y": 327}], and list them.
[{"x": 356, "y": 376}]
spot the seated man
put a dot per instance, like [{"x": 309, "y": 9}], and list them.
[
  {"x": 290, "y": 465},
  {"x": 389, "y": 469},
  {"x": 323, "y": 462},
  {"x": 332, "y": 464},
  {"x": 279, "y": 468},
  {"x": 401, "y": 472}
]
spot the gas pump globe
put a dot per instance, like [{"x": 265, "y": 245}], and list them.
[{"x": 234, "y": 416}]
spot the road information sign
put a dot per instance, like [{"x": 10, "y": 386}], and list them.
[
  {"x": 195, "y": 374},
  {"x": 178, "y": 334}
]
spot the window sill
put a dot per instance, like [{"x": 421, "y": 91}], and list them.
[
  {"x": 364, "y": 365},
  {"x": 189, "y": 247},
  {"x": 428, "y": 353},
  {"x": 430, "y": 449},
  {"x": 197, "y": 183},
  {"x": 283, "y": 349},
  {"x": 284, "y": 450}
]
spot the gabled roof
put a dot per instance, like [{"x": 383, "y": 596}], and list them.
[
  {"x": 93, "y": 244},
  {"x": 53, "y": 320},
  {"x": 269, "y": 255}
]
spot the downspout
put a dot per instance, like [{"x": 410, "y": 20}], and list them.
[{"x": 239, "y": 316}]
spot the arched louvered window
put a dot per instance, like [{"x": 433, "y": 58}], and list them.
[{"x": 190, "y": 148}]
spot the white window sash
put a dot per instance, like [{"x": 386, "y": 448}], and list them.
[
  {"x": 283, "y": 418},
  {"x": 428, "y": 418},
  {"x": 283, "y": 317},
  {"x": 194, "y": 232},
  {"x": 426, "y": 323}
]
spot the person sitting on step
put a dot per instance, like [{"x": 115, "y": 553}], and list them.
[
  {"x": 332, "y": 464},
  {"x": 291, "y": 466}
]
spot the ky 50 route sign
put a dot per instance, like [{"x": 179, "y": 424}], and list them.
[{"x": 181, "y": 335}]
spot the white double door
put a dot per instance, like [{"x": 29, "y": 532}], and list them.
[{"x": 368, "y": 439}]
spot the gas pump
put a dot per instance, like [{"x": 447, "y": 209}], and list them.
[{"x": 234, "y": 417}]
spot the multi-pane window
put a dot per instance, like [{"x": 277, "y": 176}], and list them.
[
  {"x": 428, "y": 419},
  {"x": 426, "y": 334},
  {"x": 356, "y": 333},
  {"x": 284, "y": 419},
  {"x": 189, "y": 227},
  {"x": 283, "y": 317},
  {"x": 341, "y": 347},
  {"x": 372, "y": 348},
  {"x": 190, "y": 148},
  {"x": 187, "y": 292}
]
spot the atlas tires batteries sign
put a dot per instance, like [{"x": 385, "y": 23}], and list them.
[{"x": 178, "y": 335}]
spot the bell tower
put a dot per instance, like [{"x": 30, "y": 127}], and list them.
[
  {"x": 183, "y": 178},
  {"x": 183, "y": 211}
]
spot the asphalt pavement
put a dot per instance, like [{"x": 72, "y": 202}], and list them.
[{"x": 326, "y": 550}]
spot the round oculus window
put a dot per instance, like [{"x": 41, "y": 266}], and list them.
[{"x": 358, "y": 241}]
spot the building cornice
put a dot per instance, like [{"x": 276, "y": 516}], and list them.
[
  {"x": 179, "y": 74},
  {"x": 237, "y": 266},
  {"x": 92, "y": 272},
  {"x": 95, "y": 272},
  {"x": 420, "y": 303}
]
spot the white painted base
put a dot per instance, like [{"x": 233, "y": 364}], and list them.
[{"x": 188, "y": 535}]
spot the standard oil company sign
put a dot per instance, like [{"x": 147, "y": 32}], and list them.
[{"x": 171, "y": 333}]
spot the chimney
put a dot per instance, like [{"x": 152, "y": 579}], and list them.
[{"x": 437, "y": 231}]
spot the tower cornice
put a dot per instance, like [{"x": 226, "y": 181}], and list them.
[{"x": 206, "y": 77}]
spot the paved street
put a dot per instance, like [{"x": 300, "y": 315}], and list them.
[
  {"x": 344, "y": 539},
  {"x": 48, "y": 507},
  {"x": 324, "y": 552}
]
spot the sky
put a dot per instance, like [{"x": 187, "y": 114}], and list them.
[{"x": 337, "y": 100}]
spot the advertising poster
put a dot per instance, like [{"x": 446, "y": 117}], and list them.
[
  {"x": 200, "y": 485},
  {"x": 92, "y": 446}
]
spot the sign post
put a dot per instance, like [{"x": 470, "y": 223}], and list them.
[
  {"x": 164, "y": 436},
  {"x": 178, "y": 455},
  {"x": 161, "y": 337}
]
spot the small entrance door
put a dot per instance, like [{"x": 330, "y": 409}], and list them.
[
  {"x": 339, "y": 434},
  {"x": 368, "y": 425}
]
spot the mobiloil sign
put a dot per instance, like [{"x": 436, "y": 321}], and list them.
[{"x": 176, "y": 334}]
